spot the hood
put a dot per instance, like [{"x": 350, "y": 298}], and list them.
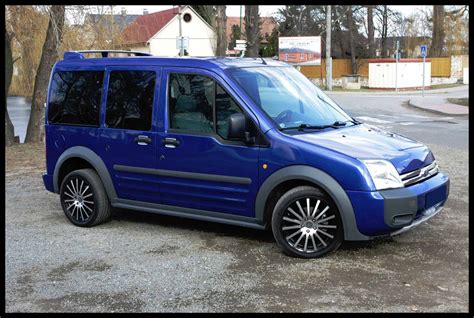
[{"x": 369, "y": 142}]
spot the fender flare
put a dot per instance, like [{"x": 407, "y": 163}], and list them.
[
  {"x": 323, "y": 180},
  {"x": 94, "y": 160}
]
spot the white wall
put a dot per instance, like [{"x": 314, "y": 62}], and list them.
[
  {"x": 410, "y": 75},
  {"x": 202, "y": 39}
]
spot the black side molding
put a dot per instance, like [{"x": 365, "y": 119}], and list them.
[{"x": 183, "y": 174}]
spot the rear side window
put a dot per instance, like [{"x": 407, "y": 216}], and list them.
[
  {"x": 130, "y": 99},
  {"x": 75, "y": 98}
]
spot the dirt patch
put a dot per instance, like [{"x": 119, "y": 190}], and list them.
[{"x": 24, "y": 159}]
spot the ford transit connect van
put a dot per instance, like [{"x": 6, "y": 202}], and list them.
[{"x": 239, "y": 141}]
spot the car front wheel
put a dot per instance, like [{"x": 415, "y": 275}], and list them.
[{"x": 306, "y": 223}]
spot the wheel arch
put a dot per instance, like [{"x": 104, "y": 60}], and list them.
[
  {"x": 93, "y": 160},
  {"x": 306, "y": 175}
]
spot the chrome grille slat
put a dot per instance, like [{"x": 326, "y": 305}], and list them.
[{"x": 420, "y": 174}]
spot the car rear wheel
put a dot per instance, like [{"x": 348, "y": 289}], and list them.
[
  {"x": 83, "y": 198},
  {"x": 306, "y": 223}
]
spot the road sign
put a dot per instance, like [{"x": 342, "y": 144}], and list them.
[
  {"x": 240, "y": 45},
  {"x": 182, "y": 42},
  {"x": 423, "y": 50}
]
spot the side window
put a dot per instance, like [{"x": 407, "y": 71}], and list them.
[
  {"x": 191, "y": 99},
  {"x": 75, "y": 98},
  {"x": 130, "y": 99},
  {"x": 225, "y": 106}
]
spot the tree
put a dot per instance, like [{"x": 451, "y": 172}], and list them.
[
  {"x": 251, "y": 30},
  {"x": 9, "y": 130},
  {"x": 26, "y": 26},
  {"x": 49, "y": 55},
  {"x": 235, "y": 35},
  {"x": 437, "y": 42},
  {"x": 207, "y": 12},
  {"x": 370, "y": 30},
  {"x": 221, "y": 21},
  {"x": 271, "y": 47},
  {"x": 384, "y": 30},
  {"x": 350, "y": 22},
  {"x": 301, "y": 20}
]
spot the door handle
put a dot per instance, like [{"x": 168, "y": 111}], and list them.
[
  {"x": 143, "y": 140},
  {"x": 171, "y": 142}
]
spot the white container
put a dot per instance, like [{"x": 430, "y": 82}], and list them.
[
  {"x": 383, "y": 73},
  {"x": 465, "y": 75}
]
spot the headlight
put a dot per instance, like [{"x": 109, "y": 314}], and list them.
[{"x": 383, "y": 173}]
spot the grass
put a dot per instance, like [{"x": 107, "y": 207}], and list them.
[
  {"x": 445, "y": 85},
  {"x": 459, "y": 101}
]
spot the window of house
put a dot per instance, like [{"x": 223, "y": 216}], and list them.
[
  {"x": 192, "y": 101},
  {"x": 75, "y": 98},
  {"x": 130, "y": 100}
]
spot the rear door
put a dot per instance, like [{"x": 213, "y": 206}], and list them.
[
  {"x": 199, "y": 167},
  {"x": 128, "y": 137}
]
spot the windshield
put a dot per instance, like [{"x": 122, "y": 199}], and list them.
[{"x": 288, "y": 97}]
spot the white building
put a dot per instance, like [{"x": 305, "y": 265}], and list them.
[{"x": 156, "y": 33}]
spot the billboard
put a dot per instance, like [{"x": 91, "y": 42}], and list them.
[{"x": 304, "y": 50}]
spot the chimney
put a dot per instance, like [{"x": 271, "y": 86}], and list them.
[
  {"x": 123, "y": 11},
  {"x": 145, "y": 11}
]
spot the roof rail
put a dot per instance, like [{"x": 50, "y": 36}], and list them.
[{"x": 73, "y": 55}]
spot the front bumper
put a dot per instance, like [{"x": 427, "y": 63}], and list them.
[
  {"x": 380, "y": 213},
  {"x": 425, "y": 216}
]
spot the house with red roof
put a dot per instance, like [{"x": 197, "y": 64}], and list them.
[{"x": 156, "y": 33}]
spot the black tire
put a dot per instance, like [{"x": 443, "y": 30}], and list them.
[
  {"x": 83, "y": 198},
  {"x": 305, "y": 229}
]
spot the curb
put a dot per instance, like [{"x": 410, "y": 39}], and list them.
[{"x": 435, "y": 111}]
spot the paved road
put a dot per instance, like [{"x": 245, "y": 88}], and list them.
[
  {"x": 147, "y": 262},
  {"x": 393, "y": 113}
]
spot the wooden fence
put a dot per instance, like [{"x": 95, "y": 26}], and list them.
[{"x": 440, "y": 67}]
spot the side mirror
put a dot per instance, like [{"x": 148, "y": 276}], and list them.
[{"x": 236, "y": 126}]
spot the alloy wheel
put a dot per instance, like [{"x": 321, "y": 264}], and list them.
[
  {"x": 78, "y": 199},
  {"x": 309, "y": 225}
]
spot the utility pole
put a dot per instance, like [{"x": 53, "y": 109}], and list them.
[
  {"x": 240, "y": 23},
  {"x": 328, "y": 50},
  {"x": 181, "y": 49}
]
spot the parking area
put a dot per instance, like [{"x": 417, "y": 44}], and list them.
[{"x": 148, "y": 262}]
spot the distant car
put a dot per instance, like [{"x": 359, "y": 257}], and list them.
[{"x": 239, "y": 141}]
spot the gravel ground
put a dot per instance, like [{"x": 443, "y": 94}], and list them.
[{"x": 146, "y": 262}]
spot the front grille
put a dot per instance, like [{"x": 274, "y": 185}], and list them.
[{"x": 420, "y": 174}]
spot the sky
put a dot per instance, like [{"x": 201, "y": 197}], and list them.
[{"x": 234, "y": 10}]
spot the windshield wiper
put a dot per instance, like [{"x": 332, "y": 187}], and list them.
[{"x": 301, "y": 127}]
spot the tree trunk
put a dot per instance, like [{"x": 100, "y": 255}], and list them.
[
  {"x": 9, "y": 130},
  {"x": 370, "y": 29},
  {"x": 437, "y": 43},
  {"x": 221, "y": 21},
  {"x": 251, "y": 30},
  {"x": 384, "y": 31},
  {"x": 49, "y": 55},
  {"x": 350, "y": 23}
]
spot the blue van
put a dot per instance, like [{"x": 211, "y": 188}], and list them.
[{"x": 239, "y": 141}]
